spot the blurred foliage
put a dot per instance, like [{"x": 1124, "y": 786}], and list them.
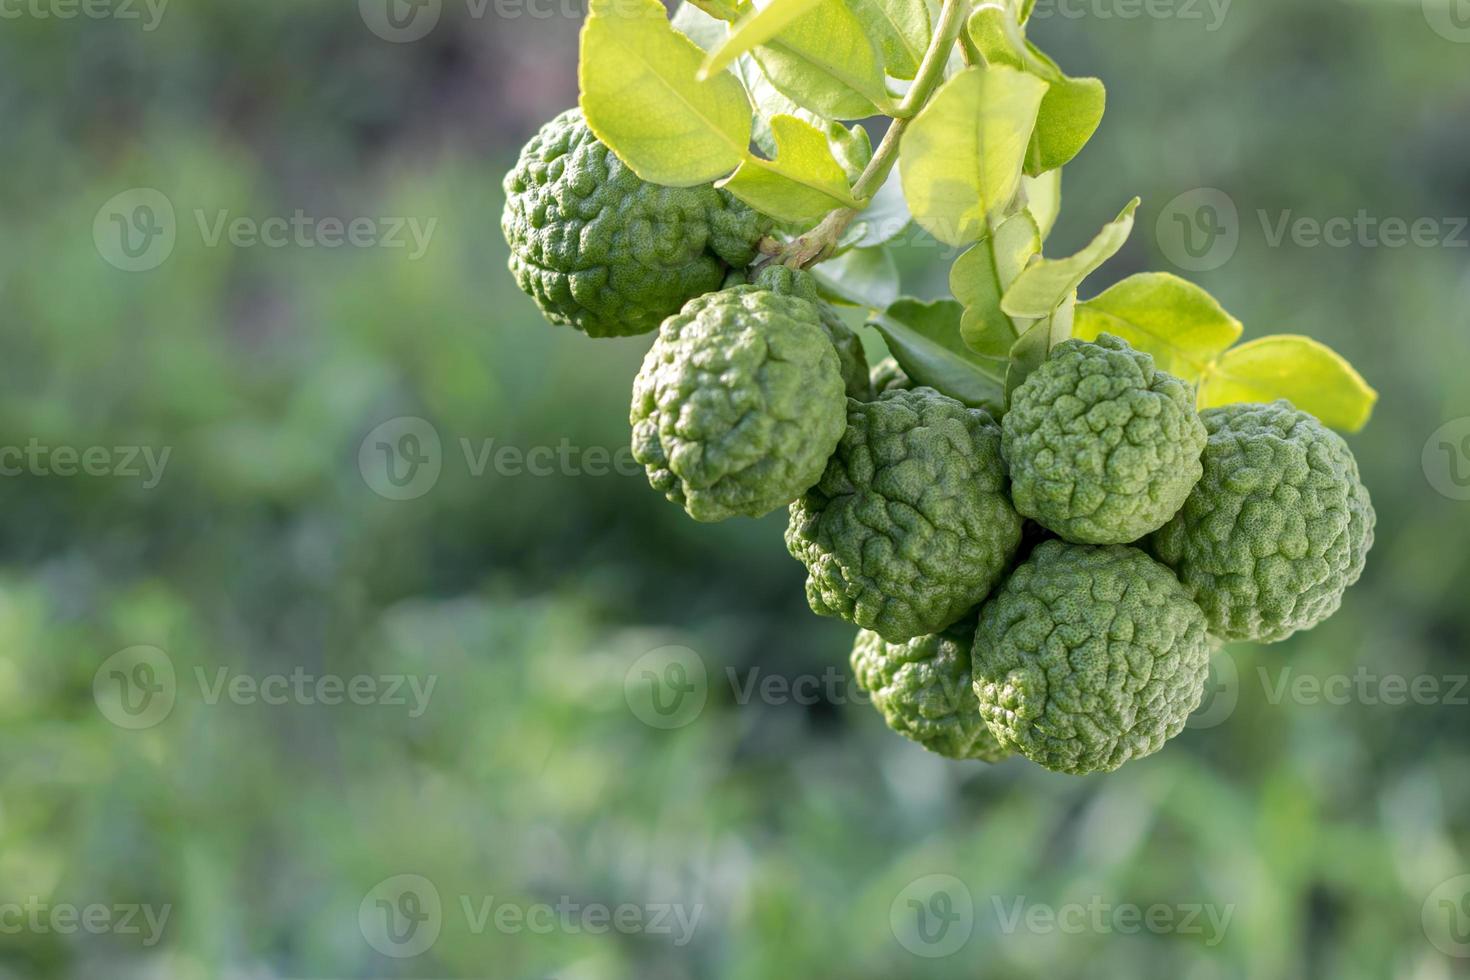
[{"x": 792, "y": 827}]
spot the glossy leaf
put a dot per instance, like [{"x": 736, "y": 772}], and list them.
[
  {"x": 1046, "y": 284},
  {"x": 961, "y": 157},
  {"x": 1309, "y": 374},
  {"x": 1177, "y": 322},
  {"x": 925, "y": 340},
  {"x": 801, "y": 184},
  {"x": 640, "y": 97}
]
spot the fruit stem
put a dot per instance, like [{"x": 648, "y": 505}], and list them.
[{"x": 818, "y": 244}]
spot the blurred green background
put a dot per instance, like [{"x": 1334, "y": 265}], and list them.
[{"x": 784, "y": 825}]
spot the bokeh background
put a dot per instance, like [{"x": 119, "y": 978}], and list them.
[{"x": 196, "y": 829}]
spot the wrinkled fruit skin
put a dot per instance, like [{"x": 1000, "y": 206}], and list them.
[
  {"x": 602, "y": 250},
  {"x": 739, "y": 403},
  {"x": 1088, "y": 657},
  {"x": 1277, "y": 529},
  {"x": 1102, "y": 447},
  {"x": 910, "y": 526},
  {"x": 796, "y": 282},
  {"x": 924, "y": 690}
]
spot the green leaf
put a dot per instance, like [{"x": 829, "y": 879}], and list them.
[
  {"x": 981, "y": 276},
  {"x": 961, "y": 157},
  {"x": 1046, "y": 284},
  {"x": 866, "y": 277},
  {"x": 640, "y": 97},
  {"x": 1309, "y": 374},
  {"x": 1072, "y": 108},
  {"x": 1035, "y": 345},
  {"x": 825, "y": 62},
  {"x": 1070, "y": 113},
  {"x": 1044, "y": 199},
  {"x": 802, "y": 184},
  {"x": 1180, "y": 324},
  {"x": 757, "y": 28},
  {"x": 925, "y": 340},
  {"x": 704, "y": 30},
  {"x": 900, "y": 28}
]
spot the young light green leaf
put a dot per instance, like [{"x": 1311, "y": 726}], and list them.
[
  {"x": 824, "y": 61},
  {"x": 1033, "y": 347},
  {"x": 640, "y": 97},
  {"x": 866, "y": 277},
  {"x": 1072, "y": 108},
  {"x": 900, "y": 28},
  {"x": 980, "y": 277},
  {"x": 925, "y": 340},
  {"x": 961, "y": 157},
  {"x": 1025, "y": 13},
  {"x": 1070, "y": 113},
  {"x": 1044, "y": 199},
  {"x": 1180, "y": 324},
  {"x": 802, "y": 184},
  {"x": 1046, "y": 284},
  {"x": 994, "y": 31},
  {"x": 756, "y": 28},
  {"x": 1309, "y": 374}
]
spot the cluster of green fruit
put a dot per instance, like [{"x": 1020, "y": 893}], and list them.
[{"x": 1053, "y": 583}]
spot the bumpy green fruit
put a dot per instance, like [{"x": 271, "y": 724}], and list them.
[
  {"x": 1102, "y": 447},
  {"x": 1277, "y": 529},
  {"x": 924, "y": 690},
  {"x": 795, "y": 282},
  {"x": 738, "y": 404},
  {"x": 1089, "y": 656},
  {"x": 604, "y": 251},
  {"x": 910, "y": 527}
]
